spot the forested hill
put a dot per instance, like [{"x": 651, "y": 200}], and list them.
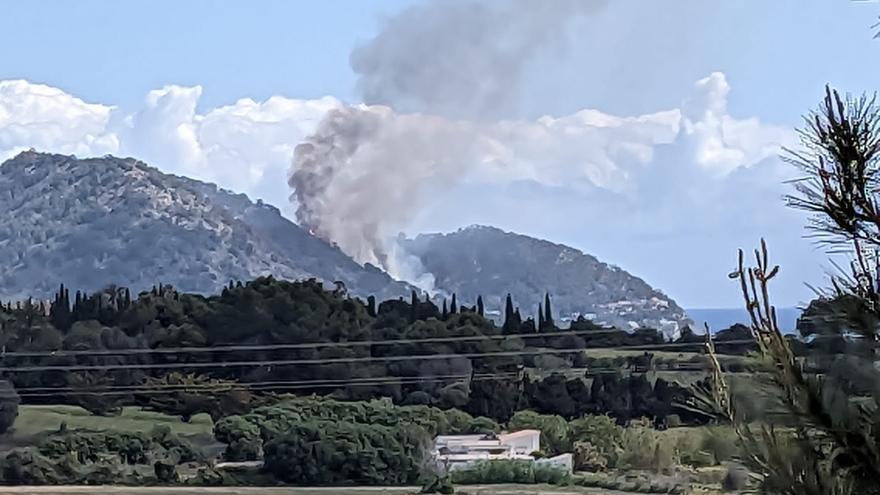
[
  {"x": 487, "y": 261},
  {"x": 112, "y": 348},
  {"x": 99, "y": 221}
]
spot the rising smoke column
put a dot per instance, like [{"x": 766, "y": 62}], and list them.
[
  {"x": 462, "y": 59},
  {"x": 433, "y": 73},
  {"x": 366, "y": 170}
]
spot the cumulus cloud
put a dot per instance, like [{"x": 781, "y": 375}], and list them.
[
  {"x": 165, "y": 131},
  {"x": 666, "y": 176},
  {"x": 43, "y": 117},
  {"x": 245, "y": 146}
]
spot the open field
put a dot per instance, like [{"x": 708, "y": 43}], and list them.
[{"x": 35, "y": 421}]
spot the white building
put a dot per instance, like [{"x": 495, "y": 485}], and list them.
[{"x": 458, "y": 451}]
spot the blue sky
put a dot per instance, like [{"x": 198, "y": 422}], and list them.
[
  {"x": 629, "y": 58},
  {"x": 778, "y": 54},
  {"x": 115, "y": 52}
]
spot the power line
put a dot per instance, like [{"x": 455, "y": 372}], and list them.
[
  {"x": 306, "y": 362},
  {"x": 308, "y": 345},
  {"x": 292, "y": 386},
  {"x": 248, "y": 385}
]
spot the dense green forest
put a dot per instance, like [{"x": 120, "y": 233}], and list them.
[
  {"x": 351, "y": 391},
  {"x": 187, "y": 353}
]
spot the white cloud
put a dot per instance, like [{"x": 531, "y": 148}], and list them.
[
  {"x": 249, "y": 144},
  {"x": 630, "y": 179},
  {"x": 43, "y": 117},
  {"x": 165, "y": 131}
]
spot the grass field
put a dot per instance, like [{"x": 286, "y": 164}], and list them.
[{"x": 35, "y": 421}]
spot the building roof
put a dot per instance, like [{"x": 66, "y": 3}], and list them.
[{"x": 519, "y": 434}]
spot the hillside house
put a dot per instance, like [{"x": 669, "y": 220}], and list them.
[{"x": 458, "y": 451}]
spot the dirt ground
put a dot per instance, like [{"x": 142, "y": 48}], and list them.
[{"x": 126, "y": 490}]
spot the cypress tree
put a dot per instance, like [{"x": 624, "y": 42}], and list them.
[
  {"x": 548, "y": 313},
  {"x": 508, "y": 315},
  {"x": 480, "y": 308},
  {"x": 371, "y": 306},
  {"x": 414, "y": 306},
  {"x": 444, "y": 313},
  {"x": 540, "y": 318},
  {"x": 453, "y": 307}
]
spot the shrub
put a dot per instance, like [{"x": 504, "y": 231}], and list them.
[
  {"x": 26, "y": 467},
  {"x": 233, "y": 428},
  {"x": 438, "y": 484},
  {"x": 9, "y": 401},
  {"x": 539, "y": 454},
  {"x": 554, "y": 429},
  {"x": 588, "y": 458},
  {"x": 482, "y": 424},
  {"x": 243, "y": 449},
  {"x": 510, "y": 471},
  {"x": 643, "y": 448},
  {"x": 328, "y": 453},
  {"x": 721, "y": 443},
  {"x": 736, "y": 479},
  {"x": 129, "y": 447},
  {"x": 602, "y": 433},
  {"x": 632, "y": 482}
]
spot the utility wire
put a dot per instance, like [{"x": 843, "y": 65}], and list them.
[
  {"x": 293, "y": 386},
  {"x": 227, "y": 385},
  {"x": 308, "y": 345},
  {"x": 290, "y": 362}
]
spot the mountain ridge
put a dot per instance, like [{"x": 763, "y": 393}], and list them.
[
  {"x": 497, "y": 262},
  {"x": 94, "y": 221}
]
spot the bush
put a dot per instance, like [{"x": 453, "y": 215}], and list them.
[
  {"x": 539, "y": 454},
  {"x": 129, "y": 447},
  {"x": 588, "y": 458},
  {"x": 29, "y": 467},
  {"x": 736, "y": 479},
  {"x": 243, "y": 449},
  {"x": 248, "y": 433},
  {"x": 26, "y": 467},
  {"x": 9, "y": 401},
  {"x": 632, "y": 482},
  {"x": 510, "y": 471},
  {"x": 603, "y": 434},
  {"x": 438, "y": 484},
  {"x": 673, "y": 421},
  {"x": 721, "y": 442},
  {"x": 339, "y": 453},
  {"x": 242, "y": 438},
  {"x": 482, "y": 425},
  {"x": 554, "y": 430},
  {"x": 643, "y": 448}
]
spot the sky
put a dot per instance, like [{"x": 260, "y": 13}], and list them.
[{"x": 645, "y": 133}]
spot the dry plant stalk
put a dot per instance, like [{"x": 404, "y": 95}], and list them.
[{"x": 822, "y": 456}]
